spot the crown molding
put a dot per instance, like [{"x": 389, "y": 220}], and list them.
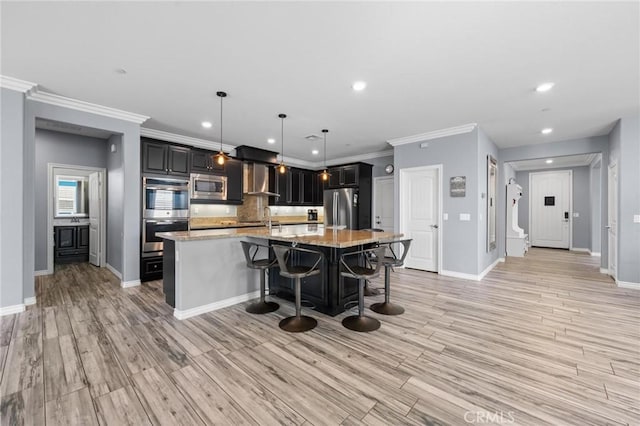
[
  {"x": 16, "y": 84},
  {"x": 186, "y": 140},
  {"x": 465, "y": 128},
  {"x": 52, "y": 99}
]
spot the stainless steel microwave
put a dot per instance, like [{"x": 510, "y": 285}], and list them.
[{"x": 208, "y": 187}]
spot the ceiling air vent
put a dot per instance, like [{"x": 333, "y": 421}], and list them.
[{"x": 312, "y": 137}]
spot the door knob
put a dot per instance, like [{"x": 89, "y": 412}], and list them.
[{"x": 434, "y": 226}]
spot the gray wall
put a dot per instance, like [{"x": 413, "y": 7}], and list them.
[
  {"x": 597, "y": 144},
  {"x": 60, "y": 148},
  {"x": 115, "y": 197},
  {"x": 581, "y": 227},
  {"x": 625, "y": 152},
  {"x": 458, "y": 156},
  {"x": 379, "y": 164},
  {"x": 485, "y": 147},
  {"x": 130, "y": 219},
  {"x": 596, "y": 201},
  {"x": 11, "y": 194}
]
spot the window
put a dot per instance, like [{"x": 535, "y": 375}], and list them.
[{"x": 71, "y": 196}]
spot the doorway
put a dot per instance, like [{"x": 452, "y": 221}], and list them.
[
  {"x": 383, "y": 205},
  {"x": 550, "y": 204},
  {"x": 612, "y": 226},
  {"x": 420, "y": 213},
  {"x": 76, "y": 215}
]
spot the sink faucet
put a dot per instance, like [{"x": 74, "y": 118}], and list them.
[{"x": 267, "y": 215}]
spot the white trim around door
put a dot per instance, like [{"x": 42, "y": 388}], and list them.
[
  {"x": 376, "y": 182},
  {"x": 404, "y": 197},
  {"x": 50, "y": 206}
]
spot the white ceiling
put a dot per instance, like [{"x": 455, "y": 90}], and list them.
[
  {"x": 428, "y": 66},
  {"x": 557, "y": 162}
]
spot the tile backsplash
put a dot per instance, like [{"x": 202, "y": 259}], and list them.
[{"x": 213, "y": 210}]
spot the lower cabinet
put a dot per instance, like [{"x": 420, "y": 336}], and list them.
[
  {"x": 71, "y": 244},
  {"x": 151, "y": 268}
]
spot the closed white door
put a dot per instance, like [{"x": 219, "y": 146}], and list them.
[
  {"x": 95, "y": 205},
  {"x": 419, "y": 204},
  {"x": 383, "y": 208},
  {"x": 612, "y": 213},
  {"x": 550, "y": 209}
]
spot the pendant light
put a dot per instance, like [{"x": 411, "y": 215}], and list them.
[
  {"x": 221, "y": 157},
  {"x": 325, "y": 174},
  {"x": 282, "y": 168}
]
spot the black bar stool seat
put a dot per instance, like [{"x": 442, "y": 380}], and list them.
[
  {"x": 361, "y": 322},
  {"x": 297, "y": 323},
  {"x": 261, "y": 306},
  {"x": 386, "y": 307}
]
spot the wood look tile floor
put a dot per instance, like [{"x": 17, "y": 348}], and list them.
[{"x": 542, "y": 340}]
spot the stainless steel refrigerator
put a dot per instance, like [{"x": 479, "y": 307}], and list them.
[{"x": 341, "y": 208}]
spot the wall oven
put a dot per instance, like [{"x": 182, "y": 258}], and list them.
[
  {"x": 151, "y": 244},
  {"x": 165, "y": 198},
  {"x": 208, "y": 187}
]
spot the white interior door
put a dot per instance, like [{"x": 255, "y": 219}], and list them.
[
  {"x": 420, "y": 212},
  {"x": 550, "y": 209},
  {"x": 95, "y": 207},
  {"x": 613, "y": 219},
  {"x": 383, "y": 208}
]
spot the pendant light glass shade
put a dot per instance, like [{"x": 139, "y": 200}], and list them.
[
  {"x": 325, "y": 174},
  {"x": 282, "y": 169},
  {"x": 221, "y": 157}
]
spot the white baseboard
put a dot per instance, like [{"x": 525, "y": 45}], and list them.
[
  {"x": 30, "y": 301},
  {"x": 462, "y": 275},
  {"x": 42, "y": 272},
  {"x": 114, "y": 271},
  {"x": 627, "y": 284},
  {"x": 501, "y": 259},
  {"x": 604, "y": 271},
  {"x": 13, "y": 309},
  {"x": 128, "y": 284},
  {"x": 581, "y": 250},
  {"x": 488, "y": 269},
  {"x": 594, "y": 253},
  {"x": 188, "y": 313}
]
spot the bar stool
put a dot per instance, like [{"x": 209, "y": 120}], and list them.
[
  {"x": 262, "y": 306},
  {"x": 299, "y": 322},
  {"x": 388, "y": 308},
  {"x": 361, "y": 322},
  {"x": 368, "y": 291}
]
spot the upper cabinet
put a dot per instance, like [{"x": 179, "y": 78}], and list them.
[
  {"x": 162, "y": 158},
  {"x": 233, "y": 170},
  {"x": 345, "y": 176},
  {"x": 296, "y": 187},
  {"x": 203, "y": 161}
]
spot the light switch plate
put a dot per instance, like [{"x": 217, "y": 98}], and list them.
[
  {"x": 636, "y": 218},
  {"x": 445, "y": 216},
  {"x": 465, "y": 217},
  {"x": 576, "y": 214}
]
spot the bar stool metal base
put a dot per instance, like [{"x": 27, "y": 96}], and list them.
[
  {"x": 361, "y": 323},
  {"x": 298, "y": 324},
  {"x": 386, "y": 308},
  {"x": 262, "y": 307}
]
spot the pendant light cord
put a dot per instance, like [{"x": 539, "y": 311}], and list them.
[
  {"x": 282, "y": 139},
  {"x": 221, "y": 97}
]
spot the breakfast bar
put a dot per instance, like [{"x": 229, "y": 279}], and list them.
[{"x": 205, "y": 270}]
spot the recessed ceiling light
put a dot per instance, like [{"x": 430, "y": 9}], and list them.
[
  {"x": 121, "y": 71},
  {"x": 549, "y": 161},
  {"x": 271, "y": 140},
  {"x": 206, "y": 124},
  {"x": 547, "y": 131},
  {"x": 359, "y": 85},
  {"x": 315, "y": 152},
  {"x": 544, "y": 87}
]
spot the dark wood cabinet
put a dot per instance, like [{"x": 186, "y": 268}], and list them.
[
  {"x": 71, "y": 244},
  {"x": 233, "y": 170},
  {"x": 345, "y": 176},
  {"x": 296, "y": 187},
  {"x": 318, "y": 193},
  {"x": 162, "y": 158},
  {"x": 203, "y": 161}
]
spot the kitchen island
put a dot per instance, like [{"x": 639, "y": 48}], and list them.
[{"x": 205, "y": 270}]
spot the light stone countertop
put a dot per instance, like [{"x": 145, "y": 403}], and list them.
[{"x": 315, "y": 235}]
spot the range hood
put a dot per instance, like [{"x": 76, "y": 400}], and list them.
[{"x": 255, "y": 177}]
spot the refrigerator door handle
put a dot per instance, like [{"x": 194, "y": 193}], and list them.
[{"x": 335, "y": 208}]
